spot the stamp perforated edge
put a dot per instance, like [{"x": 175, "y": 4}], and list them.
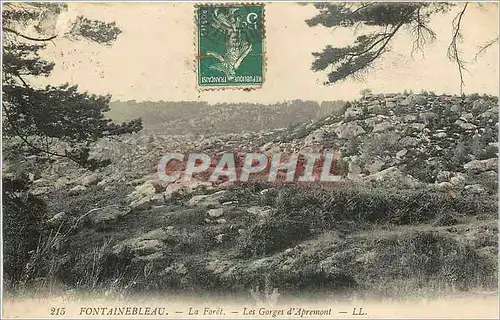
[{"x": 196, "y": 49}]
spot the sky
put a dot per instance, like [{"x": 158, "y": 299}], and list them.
[{"x": 153, "y": 59}]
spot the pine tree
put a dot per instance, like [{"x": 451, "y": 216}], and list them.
[
  {"x": 37, "y": 119},
  {"x": 41, "y": 121},
  {"x": 387, "y": 19}
]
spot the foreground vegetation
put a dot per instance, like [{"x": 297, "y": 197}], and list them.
[{"x": 335, "y": 241}]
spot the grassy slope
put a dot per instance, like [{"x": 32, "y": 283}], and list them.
[{"x": 326, "y": 250}]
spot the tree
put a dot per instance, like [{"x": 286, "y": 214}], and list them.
[
  {"x": 44, "y": 122},
  {"x": 388, "y": 19}
]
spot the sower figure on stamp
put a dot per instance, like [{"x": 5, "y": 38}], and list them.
[{"x": 236, "y": 48}]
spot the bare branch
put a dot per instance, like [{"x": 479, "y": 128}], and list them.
[
  {"x": 485, "y": 47},
  {"x": 387, "y": 38},
  {"x": 421, "y": 33},
  {"x": 453, "y": 52},
  {"x": 383, "y": 38},
  {"x": 6, "y": 29}
]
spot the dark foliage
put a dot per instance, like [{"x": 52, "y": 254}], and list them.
[
  {"x": 386, "y": 19},
  {"x": 52, "y": 121}
]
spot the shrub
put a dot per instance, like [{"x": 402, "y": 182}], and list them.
[
  {"x": 326, "y": 208},
  {"x": 429, "y": 256},
  {"x": 365, "y": 92},
  {"x": 271, "y": 235},
  {"x": 22, "y": 227}
]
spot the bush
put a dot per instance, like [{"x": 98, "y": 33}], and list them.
[
  {"x": 271, "y": 235},
  {"x": 22, "y": 227},
  {"x": 431, "y": 256},
  {"x": 327, "y": 208},
  {"x": 365, "y": 92}
]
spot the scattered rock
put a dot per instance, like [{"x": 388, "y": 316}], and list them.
[
  {"x": 443, "y": 176},
  {"x": 467, "y": 116},
  {"x": 409, "y": 142},
  {"x": 482, "y": 165},
  {"x": 102, "y": 218},
  {"x": 215, "y": 213},
  {"x": 220, "y": 237},
  {"x": 57, "y": 219},
  {"x": 381, "y": 127},
  {"x": 401, "y": 153},
  {"x": 392, "y": 175},
  {"x": 90, "y": 179},
  {"x": 353, "y": 113},
  {"x": 77, "y": 189},
  {"x": 475, "y": 188},
  {"x": 260, "y": 211},
  {"x": 208, "y": 201},
  {"x": 465, "y": 125},
  {"x": 315, "y": 137},
  {"x": 349, "y": 130},
  {"x": 144, "y": 190}
]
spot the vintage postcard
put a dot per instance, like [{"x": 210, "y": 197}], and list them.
[{"x": 249, "y": 160}]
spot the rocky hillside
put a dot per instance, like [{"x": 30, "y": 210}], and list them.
[
  {"x": 418, "y": 209},
  {"x": 445, "y": 141}
]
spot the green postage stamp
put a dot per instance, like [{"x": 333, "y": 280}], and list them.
[{"x": 230, "y": 46}]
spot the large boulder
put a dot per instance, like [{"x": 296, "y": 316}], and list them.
[
  {"x": 315, "y": 137},
  {"x": 393, "y": 176},
  {"x": 37, "y": 191},
  {"x": 147, "y": 247},
  {"x": 490, "y": 113},
  {"x": 458, "y": 179},
  {"x": 215, "y": 213},
  {"x": 77, "y": 190},
  {"x": 482, "y": 165},
  {"x": 147, "y": 202},
  {"x": 90, "y": 179},
  {"x": 465, "y": 125},
  {"x": 209, "y": 201},
  {"x": 353, "y": 113},
  {"x": 262, "y": 212},
  {"x": 141, "y": 180},
  {"x": 374, "y": 166},
  {"x": 383, "y": 126},
  {"x": 144, "y": 190},
  {"x": 377, "y": 108},
  {"x": 428, "y": 117},
  {"x": 349, "y": 130},
  {"x": 475, "y": 188},
  {"x": 102, "y": 218}
]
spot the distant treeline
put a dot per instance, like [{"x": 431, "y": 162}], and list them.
[{"x": 200, "y": 117}]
